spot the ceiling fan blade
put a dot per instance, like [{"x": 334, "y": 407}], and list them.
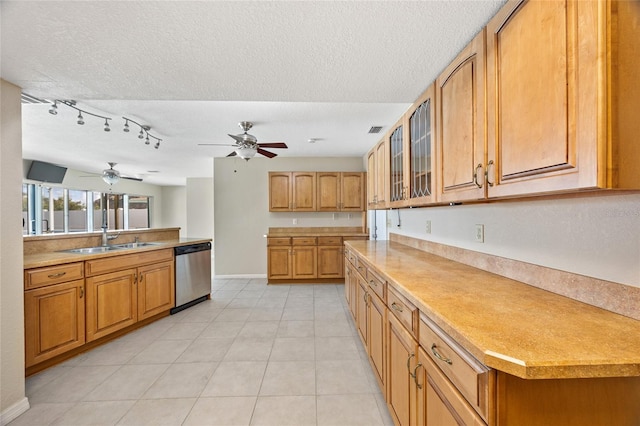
[
  {"x": 237, "y": 138},
  {"x": 266, "y": 153},
  {"x": 233, "y": 154},
  {"x": 273, "y": 145},
  {"x": 132, "y": 178}
]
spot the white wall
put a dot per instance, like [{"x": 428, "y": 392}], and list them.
[
  {"x": 593, "y": 236},
  {"x": 12, "y": 388},
  {"x": 200, "y": 207},
  {"x": 241, "y": 211}
]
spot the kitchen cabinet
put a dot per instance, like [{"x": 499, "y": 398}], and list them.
[
  {"x": 292, "y": 191},
  {"x": 279, "y": 259},
  {"x": 422, "y": 149},
  {"x": 378, "y": 175},
  {"x": 397, "y": 167},
  {"x": 401, "y": 364},
  {"x": 377, "y": 341},
  {"x": 123, "y": 290},
  {"x": 54, "y": 318},
  {"x": 362, "y": 309},
  {"x": 340, "y": 191},
  {"x": 460, "y": 118},
  {"x": 330, "y": 257},
  {"x": 561, "y": 96},
  {"x": 305, "y": 258}
]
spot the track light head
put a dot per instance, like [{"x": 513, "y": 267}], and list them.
[
  {"x": 157, "y": 145},
  {"x": 106, "y": 126},
  {"x": 80, "y": 119},
  {"x": 54, "y": 109},
  {"x": 126, "y": 126},
  {"x": 146, "y": 142},
  {"x": 141, "y": 134}
]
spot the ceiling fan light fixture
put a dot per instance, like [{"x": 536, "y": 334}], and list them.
[
  {"x": 110, "y": 176},
  {"x": 246, "y": 152}
]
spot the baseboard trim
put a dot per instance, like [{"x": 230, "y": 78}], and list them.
[{"x": 14, "y": 411}]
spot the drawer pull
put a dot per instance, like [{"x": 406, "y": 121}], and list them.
[
  {"x": 415, "y": 376},
  {"x": 372, "y": 282},
  {"x": 58, "y": 275},
  {"x": 81, "y": 292},
  {"x": 399, "y": 309},
  {"x": 440, "y": 357}
]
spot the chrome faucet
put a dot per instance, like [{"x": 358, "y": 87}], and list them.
[{"x": 106, "y": 238}]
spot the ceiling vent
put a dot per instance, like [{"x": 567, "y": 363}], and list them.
[
  {"x": 375, "y": 129},
  {"x": 28, "y": 99}
]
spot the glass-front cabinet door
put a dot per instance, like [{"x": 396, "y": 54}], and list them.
[
  {"x": 422, "y": 150},
  {"x": 398, "y": 185}
]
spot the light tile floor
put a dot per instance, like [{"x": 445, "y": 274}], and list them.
[{"x": 255, "y": 354}]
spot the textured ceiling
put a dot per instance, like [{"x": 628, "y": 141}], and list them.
[{"x": 192, "y": 70}]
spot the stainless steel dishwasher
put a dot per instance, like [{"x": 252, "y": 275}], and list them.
[{"x": 193, "y": 275}]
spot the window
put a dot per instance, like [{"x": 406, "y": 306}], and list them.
[{"x": 48, "y": 209}]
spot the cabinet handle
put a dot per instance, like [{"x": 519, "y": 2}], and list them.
[
  {"x": 58, "y": 275},
  {"x": 440, "y": 357},
  {"x": 81, "y": 292},
  {"x": 475, "y": 175},
  {"x": 135, "y": 278},
  {"x": 365, "y": 297},
  {"x": 486, "y": 173},
  {"x": 415, "y": 376},
  {"x": 396, "y": 307},
  {"x": 408, "y": 362},
  {"x": 141, "y": 276},
  {"x": 372, "y": 282}
]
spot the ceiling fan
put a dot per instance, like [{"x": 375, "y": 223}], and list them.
[
  {"x": 112, "y": 176},
  {"x": 247, "y": 146}
]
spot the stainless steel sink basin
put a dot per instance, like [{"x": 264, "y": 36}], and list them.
[
  {"x": 134, "y": 245},
  {"x": 92, "y": 250}
]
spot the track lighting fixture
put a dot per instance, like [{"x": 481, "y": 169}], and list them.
[
  {"x": 144, "y": 129},
  {"x": 144, "y": 132}
]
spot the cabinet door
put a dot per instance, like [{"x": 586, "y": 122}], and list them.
[
  {"x": 280, "y": 192},
  {"x": 353, "y": 290},
  {"x": 303, "y": 191},
  {"x": 279, "y": 262},
  {"x": 361, "y": 309},
  {"x": 328, "y": 191},
  {"x": 372, "y": 177},
  {"x": 382, "y": 174},
  {"x": 460, "y": 125},
  {"x": 377, "y": 341},
  {"x": 352, "y": 191},
  {"x": 422, "y": 152},
  {"x": 330, "y": 262},
  {"x": 156, "y": 289},
  {"x": 401, "y": 363},
  {"x": 54, "y": 320},
  {"x": 438, "y": 401},
  {"x": 112, "y": 302},
  {"x": 398, "y": 179},
  {"x": 531, "y": 89},
  {"x": 304, "y": 262}
]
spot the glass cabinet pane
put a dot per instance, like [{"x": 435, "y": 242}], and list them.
[
  {"x": 420, "y": 146},
  {"x": 397, "y": 174}
]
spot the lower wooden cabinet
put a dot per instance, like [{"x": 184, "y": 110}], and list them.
[
  {"x": 155, "y": 289},
  {"x": 362, "y": 309},
  {"x": 279, "y": 262},
  {"x": 112, "y": 303},
  {"x": 330, "y": 262},
  {"x": 377, "y": 341},
  {"x": 304, "y": 262},
  {"x": 54, "y": 320}
]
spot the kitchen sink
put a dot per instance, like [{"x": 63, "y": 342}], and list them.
[
  {"x": 92, "y": 250},
  {"x": 134, "y": 245}
]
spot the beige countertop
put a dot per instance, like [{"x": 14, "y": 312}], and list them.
[
  {"x": 60, "y": 257},
  {"x": 345, "y": 232},
  {"x": 507, "y": 325}
]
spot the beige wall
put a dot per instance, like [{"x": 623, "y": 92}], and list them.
[
  {"x": 241, "y": 211},
  {"x": 12, "y": 387},
  {"x": 200, "y": 207},
  {"x": 174, "y": 208},
  {"x": 594, "y": 236}
]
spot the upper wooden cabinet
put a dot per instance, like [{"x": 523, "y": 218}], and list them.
[
  {"x": 460, "y": 125},
  {"x": 292, "y": 191},
  {"x": 316, "y": 191},
  {"x": 378, "y": 175},
  {"x": 562, "y": 97},
  {"x": 340, "y": 191},
  {"x": 398, "y": 153}
]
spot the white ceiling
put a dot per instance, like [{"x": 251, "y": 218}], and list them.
[{"x": 193, "y": 69}]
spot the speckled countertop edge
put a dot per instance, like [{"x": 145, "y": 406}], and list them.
[{"x": 508, "y": 325}]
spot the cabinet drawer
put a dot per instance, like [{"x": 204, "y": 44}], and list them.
[
  {"x": 377, "y": 284},
  {"x": 303, "y": 241},
  {"x": 117, "y": 263},
  {"x": 467, "y": 374},
  {"x": 351, "y": 257},
  {"x": 40, "y": 277},
  {"x": 279, "y": 241},
  {"x": 329, "y": 241},
  {"x": 404, "y": 310},
  {"x": 361, "y": 267}
]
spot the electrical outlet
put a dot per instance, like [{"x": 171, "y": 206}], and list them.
[
  {"x": 349, "y": 215},
  {"x": 295, "y": 221},
  {"x": 479, "y": 233},
  {"x": 427, "y": 227}
]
